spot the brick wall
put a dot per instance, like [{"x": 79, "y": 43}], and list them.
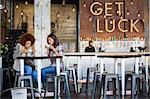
[
  {"x": 65, "y": 30},
  {"x": 4, "y": 24},
  {"x": 87, "y": 28},
  {"x": 29, "y": 11}
]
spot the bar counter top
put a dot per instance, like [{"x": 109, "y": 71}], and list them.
[
  {"x": 38, "y": 57},
  {"x": 110, "y": 54}
]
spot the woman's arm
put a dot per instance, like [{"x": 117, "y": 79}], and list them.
[
  {"x": 55, "y": 50},
  {"x": 33, "y": 51},
  {"x": 23, "y": 51}
]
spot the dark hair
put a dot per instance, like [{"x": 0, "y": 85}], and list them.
[
  {"x": 90, "y": 42},
  {"x": 25, "y": 38},
  {"x": 56, "y": 41}
]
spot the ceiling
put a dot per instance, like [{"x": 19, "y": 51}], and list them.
[{"x": 54, "y": 1}]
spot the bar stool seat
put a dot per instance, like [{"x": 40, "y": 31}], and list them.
[
  {"x": 21, "y": 78},
  {"x": 16, "y": 78}
]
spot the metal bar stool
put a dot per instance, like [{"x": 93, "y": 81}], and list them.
[
  {"x": 16, "y": 78},
  {"x": 8, "y": 74},
  {"x": 136, "y": 77},
  {"x": 74, "y": 75},
  {"x": 128, "y": 74},
  {"x": 112, "y": 76},
  {"x": 18, "y": 92},
  {"x": 21, "y": 78},
  {"x": 88, "y": 80},
  {"x": 63, "y": 75},
  {"x": 149, "y": 83},
  {"x": 50, "y": 78},
  {"x": 97, "y": 81}
]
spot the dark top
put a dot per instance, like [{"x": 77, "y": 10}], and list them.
[
  {"x": 50, "y": 54},
  {"x": 131, "y": 49},
  {"x": 90, "y": 49}
]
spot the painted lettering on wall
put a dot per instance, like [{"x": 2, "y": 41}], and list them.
[{"x": 98, "y": 8}]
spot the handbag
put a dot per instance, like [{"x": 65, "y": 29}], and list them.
[{"x": 29, "y": 62}]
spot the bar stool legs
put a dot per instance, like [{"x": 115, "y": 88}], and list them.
[
  {"x": 111, "y": 76},
  {"x": 128, "y": 75},
  {"x": 16, "y": 79},
  {"x": 89, "y": 71},
  {"x": 98, "y": 85},
  {"x": 65, "y": 76},
  {"x": 8, "y": 72},
  {"x": 56, "y": 88},
  {"x": 73, "y": 71},
  {"x": 30, "y": 81},
  {"x": 56, "y": 80},
  {"x": 95, "y": 84},
  {"x": 134, "y": 84},
  {"x": 52, "y": 77}
]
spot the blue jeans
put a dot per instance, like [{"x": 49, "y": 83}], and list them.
[
  {"x": 48, "y": 70},
  {"x": 29, "y": 71}
]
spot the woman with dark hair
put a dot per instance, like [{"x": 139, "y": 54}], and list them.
[
  {"x": 27, "y": 38},
  {"x": 52, "y": 49},
  {"x": 26, "y": 48},
  {"x": 50, "y": 39}
]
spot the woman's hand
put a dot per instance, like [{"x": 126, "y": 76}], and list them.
[
  {"x": 57, "y": 53},
  {"x": 24, "y": 50},
  {"x": 47, "y": 46},
  {"x": 53, "y": 48}
]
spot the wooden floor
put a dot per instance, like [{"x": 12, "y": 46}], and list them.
[{"x": 83, "y": 95}]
